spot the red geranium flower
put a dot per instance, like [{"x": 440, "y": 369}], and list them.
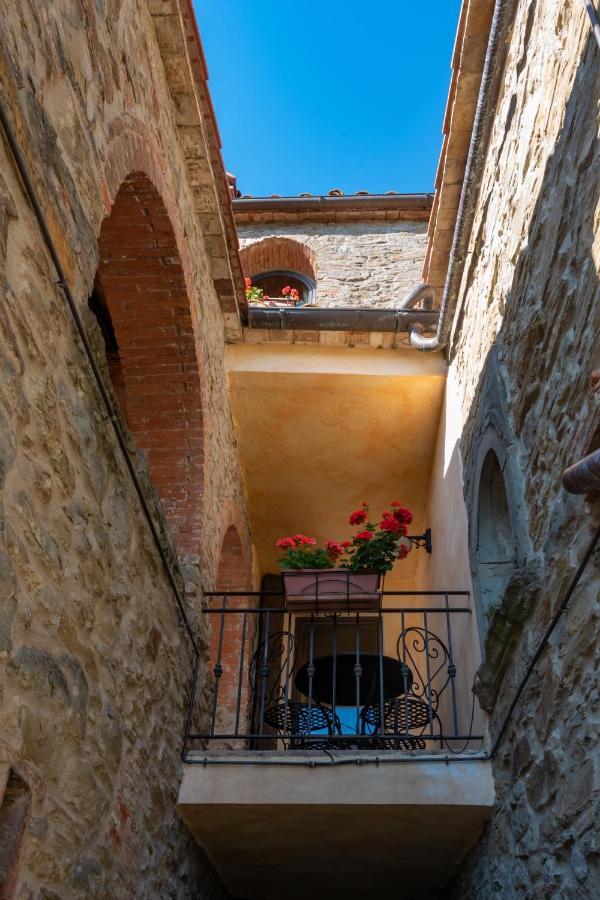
[
  {"x": 364, "y": 536},
  {"x": 285, "y": 543},
  {"x": 334, "y": 549},
  {"x": 303, "y": 539},
  {"x": 402, "y": 513},
  {"x": 286, "y": 290},
  {"x": 392, "y": 524},
  {"x": 358, "y": 517},
  {"x": 248, "y": 282}
]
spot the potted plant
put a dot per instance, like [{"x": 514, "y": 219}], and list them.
[
  {"x": 344, "y": 575},
  {"x": 257, "y": 297}
]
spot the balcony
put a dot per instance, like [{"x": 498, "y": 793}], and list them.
[{"x": 331, "y": 750}]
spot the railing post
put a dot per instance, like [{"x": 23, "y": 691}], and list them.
[
  {"x": 428, "y": 670},
  {"x": 405, "y": 673},
  {"x": 241, "y": 674},
  {"x": 357, "y": 670},
  {"x": 188, "y": 721},
  {"x": 218, "y": 670},
  {"x": 381, "y": 691},
  {"x": 311, "y": 665},
  {"x": 263, "y": 673},
  {"x": 334, "y": 673},
  {"x": 287, "y": 669},
  {"x": 451, "y": 666}
]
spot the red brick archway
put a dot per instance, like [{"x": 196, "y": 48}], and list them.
[
  {"x": 278, "y": 253},
  {"x": 141, "y": 301}
]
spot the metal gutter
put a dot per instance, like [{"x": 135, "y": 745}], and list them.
[
  {"x": 358, "y": 202},
  {"x": 471, "y": 182},
  {"x": 340, "y": 319}
]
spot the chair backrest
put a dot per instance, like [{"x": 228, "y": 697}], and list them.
[
  {"x": 272, "y": 663},
  {"x": 428, "y": 658}
]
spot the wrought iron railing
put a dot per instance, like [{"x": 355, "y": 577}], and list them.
[{"x": 280, "y": 679}]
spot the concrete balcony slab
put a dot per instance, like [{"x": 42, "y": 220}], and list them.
[{"x": 296, "y": 825}]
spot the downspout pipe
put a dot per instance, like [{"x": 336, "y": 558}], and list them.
[{"x": 471, "y": 180}]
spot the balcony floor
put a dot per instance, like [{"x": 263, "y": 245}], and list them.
[{"x": 335, "y": 830}]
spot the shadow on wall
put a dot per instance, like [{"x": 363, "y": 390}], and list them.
[{"x": 541, "y": 358}]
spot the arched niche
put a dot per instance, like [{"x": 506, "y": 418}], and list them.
[
  {"x": 495, "y": 548},
  {"x": 142, "y": 306},
  {"x": 232, "y": 573}
]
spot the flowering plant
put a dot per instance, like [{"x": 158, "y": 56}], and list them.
[
  {"x": 376, "y": 545},
  {"x": 301, "y": 552},
  {"x": 289, "y": 296},
  {"x": 253, "y": 294}
]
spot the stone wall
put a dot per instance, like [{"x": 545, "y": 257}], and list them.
[
  {"x": 94, "y": 663},
  {"x": 529, "y": 310},
  {"x": 357, "y": 263}
]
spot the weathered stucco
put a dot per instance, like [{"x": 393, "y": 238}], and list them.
[
  {"x": 94, "y": 663},
  {"x": 530, "y": 290},
  {"x": 357, "y": 263}
]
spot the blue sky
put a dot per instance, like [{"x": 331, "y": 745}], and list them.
[{"x": 322, "y": 94}]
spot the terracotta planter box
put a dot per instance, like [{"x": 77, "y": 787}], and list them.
[{"x": 331, "y": 590}]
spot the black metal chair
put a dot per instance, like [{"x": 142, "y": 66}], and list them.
[
  {"x": 297, "y": 724},
  {"x": 302, "y": 725},
  {"x": 407, "y": 721},
  {"x": 401, "y": 716}
]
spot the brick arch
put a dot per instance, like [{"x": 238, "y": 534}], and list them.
[
  {"x": 279, "y": 253},
  {"x": 141, "y": 301}
]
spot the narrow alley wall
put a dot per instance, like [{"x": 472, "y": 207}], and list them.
[
  {"x": 523, "y": 352},
  {"x": 95, "y": 665}
]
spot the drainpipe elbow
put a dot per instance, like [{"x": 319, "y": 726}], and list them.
[{"x": 419, "y": 342}]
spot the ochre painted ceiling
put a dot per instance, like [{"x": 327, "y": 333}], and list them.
[{"x": 321, "y": 432}]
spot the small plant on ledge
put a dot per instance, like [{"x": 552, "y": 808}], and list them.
[
  {"x": 255, "y": 295},
  {"x": 346, "y": 573}
]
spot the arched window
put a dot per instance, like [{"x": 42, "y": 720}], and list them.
[
  {"x": 495, "y": 548},
  {"x": 141, "y": 304},
  {"x": 274, "y": 263},
  {"x": 274, "y": 284}
]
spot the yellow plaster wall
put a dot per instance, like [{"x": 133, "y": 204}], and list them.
[{"x": 321, "y": 430}]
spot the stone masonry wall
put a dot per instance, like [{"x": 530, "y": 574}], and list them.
[
  {"x": 530, "y": 294},
  {"x": 94, "y": 663},
  {"x": 357, "y": 263}
]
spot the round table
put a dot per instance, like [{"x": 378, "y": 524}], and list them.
[{"x": 397, "y": 679}]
